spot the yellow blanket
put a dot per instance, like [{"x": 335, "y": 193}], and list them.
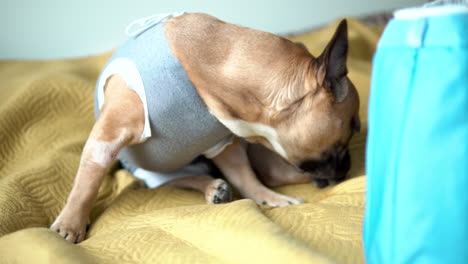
[{"x": 46, "y": 113}]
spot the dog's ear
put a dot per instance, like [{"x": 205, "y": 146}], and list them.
[
  {"x": 332, "y": 63},
  {"x": 300, "y": 44}
]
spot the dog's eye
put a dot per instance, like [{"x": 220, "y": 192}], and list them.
[
  {"x": 310, "y": 165},
  {"x": 313, "y": 165}
]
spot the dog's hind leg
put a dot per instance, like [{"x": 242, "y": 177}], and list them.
[
  {"x": 216, "y": 190},
  {"x": 119, "y": 124}
]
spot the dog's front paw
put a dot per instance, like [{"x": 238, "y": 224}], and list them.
[
  {"x": 218, "y": 192},
  {"x": 274, "y": 199},
  {"x": 70, "y": 227}
]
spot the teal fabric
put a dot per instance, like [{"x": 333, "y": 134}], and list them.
[{"x": 417, "y": 150}]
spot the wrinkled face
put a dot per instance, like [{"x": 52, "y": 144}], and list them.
[
  {"x": 316, "y": 140},
  {"x": 314, "y": 137}
]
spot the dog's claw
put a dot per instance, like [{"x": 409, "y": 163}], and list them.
[{"x": 77, "y": 239}]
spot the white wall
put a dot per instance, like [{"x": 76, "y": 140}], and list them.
[{"x": 64, "y": 28}]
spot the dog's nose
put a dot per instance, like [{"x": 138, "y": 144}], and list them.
[
  {"x": 332, "y": 167},
  {"x": 343, "y": 166}
]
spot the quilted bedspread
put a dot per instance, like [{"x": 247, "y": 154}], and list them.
[{"x": 46, "y": 114}]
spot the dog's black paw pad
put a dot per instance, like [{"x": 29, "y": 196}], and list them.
[
  {"x": 216, "y": 200},
  {"x": 223, "y": 194}
]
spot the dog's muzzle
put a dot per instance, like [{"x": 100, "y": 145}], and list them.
[{"x": 333, "y": 167}]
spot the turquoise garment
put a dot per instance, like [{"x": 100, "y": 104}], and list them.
[{"x": 417, "y": 149}]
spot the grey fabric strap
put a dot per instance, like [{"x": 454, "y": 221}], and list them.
[{"x": 181, "y": 126}]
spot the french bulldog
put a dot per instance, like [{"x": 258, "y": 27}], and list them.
[{"x": 190, "y": 84}]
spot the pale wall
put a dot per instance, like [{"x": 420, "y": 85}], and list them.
[{"x": 64, "y": 28}]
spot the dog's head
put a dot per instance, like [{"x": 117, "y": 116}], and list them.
[{"x": 314, "y": 131}]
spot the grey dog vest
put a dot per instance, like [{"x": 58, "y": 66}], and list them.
[{"x": 181, "y": 126}]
